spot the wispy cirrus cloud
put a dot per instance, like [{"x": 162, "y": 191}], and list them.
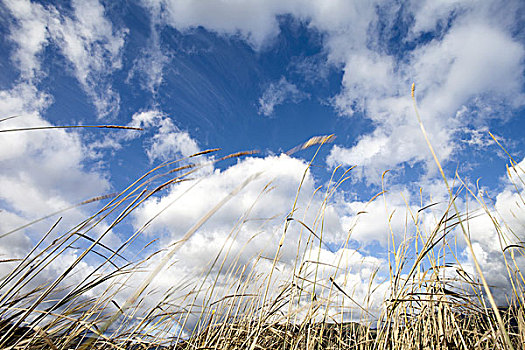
[
  {"x": 150, "y": 64},
  {"x": 277, "y": 94},
  {"x": 86, "y": 38}
]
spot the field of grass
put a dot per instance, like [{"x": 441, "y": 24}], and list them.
[{"x": 431, "y": 301}]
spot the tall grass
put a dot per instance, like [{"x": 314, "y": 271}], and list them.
[{"x": 431, "y": 301}]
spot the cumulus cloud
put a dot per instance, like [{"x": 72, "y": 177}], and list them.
[
  {"x": 429, "y": 14},
  {"x": 286, "y": 172},
  {"x": 470, "y": 57},
  {"x": 57, "y": 155},
  {"x": 45, "y": 171},
  {"x": 256, "y": 21},
  {"x": 473, "y": 58},
  {"x": 245, "y": 233},
  {"x": 168, "y": 141},
  {"x": 42, "y": 172},
  {"x": 473, "y": 62},
  {"x": 278, "y": 93},
  {"x": 500, "y": 226},
  {"x": 376, "y": 221}
]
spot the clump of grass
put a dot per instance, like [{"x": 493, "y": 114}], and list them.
[{"x": 432, "y": 301}]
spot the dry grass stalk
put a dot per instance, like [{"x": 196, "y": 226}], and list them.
[{"x": 427, "y": 306}]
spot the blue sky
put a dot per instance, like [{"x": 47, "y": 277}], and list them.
[{"x": 258, "y": 75}]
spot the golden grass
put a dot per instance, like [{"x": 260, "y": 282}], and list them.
[{"x": 426, "y": 305}]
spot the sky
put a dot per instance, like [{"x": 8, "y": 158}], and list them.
[{"x": 264, "y": 75}]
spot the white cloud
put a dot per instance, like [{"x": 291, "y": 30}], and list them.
[
  {"x": 472, "y": 62},
  {"x": 257, "y": 234},
  {"x": 150, "y": 67},
  {"x": 150, "y": 64},
  {"x": 30, "y": 35},
  {"x": 254, "y": 21},
  {"x": 284, "y": 171},
  {"x": 490, "y": 235},
  {"x": 432, "y": 16},
  {"x": 492, "y": 224},
  {"x": 278, "y": 93},
  {"x": 42, "y": 171},
  {"x": 257, "y": 21},
  {"x": 45, "y": 171},
  {"x": 87, "y": 40},
  {"x": 41, "y": 160},
  {"x": 429, "y": 14},
  {"x": 370, "y": 222},
  {"x": 94, "y": 48},
  {"x": 366, "y": 74},
  {"x": 168, "y": 141},
  {"x": 17, "y": 247},
  {"x": 473, "y": 58},
  {"x": 250, "y": 227}
]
